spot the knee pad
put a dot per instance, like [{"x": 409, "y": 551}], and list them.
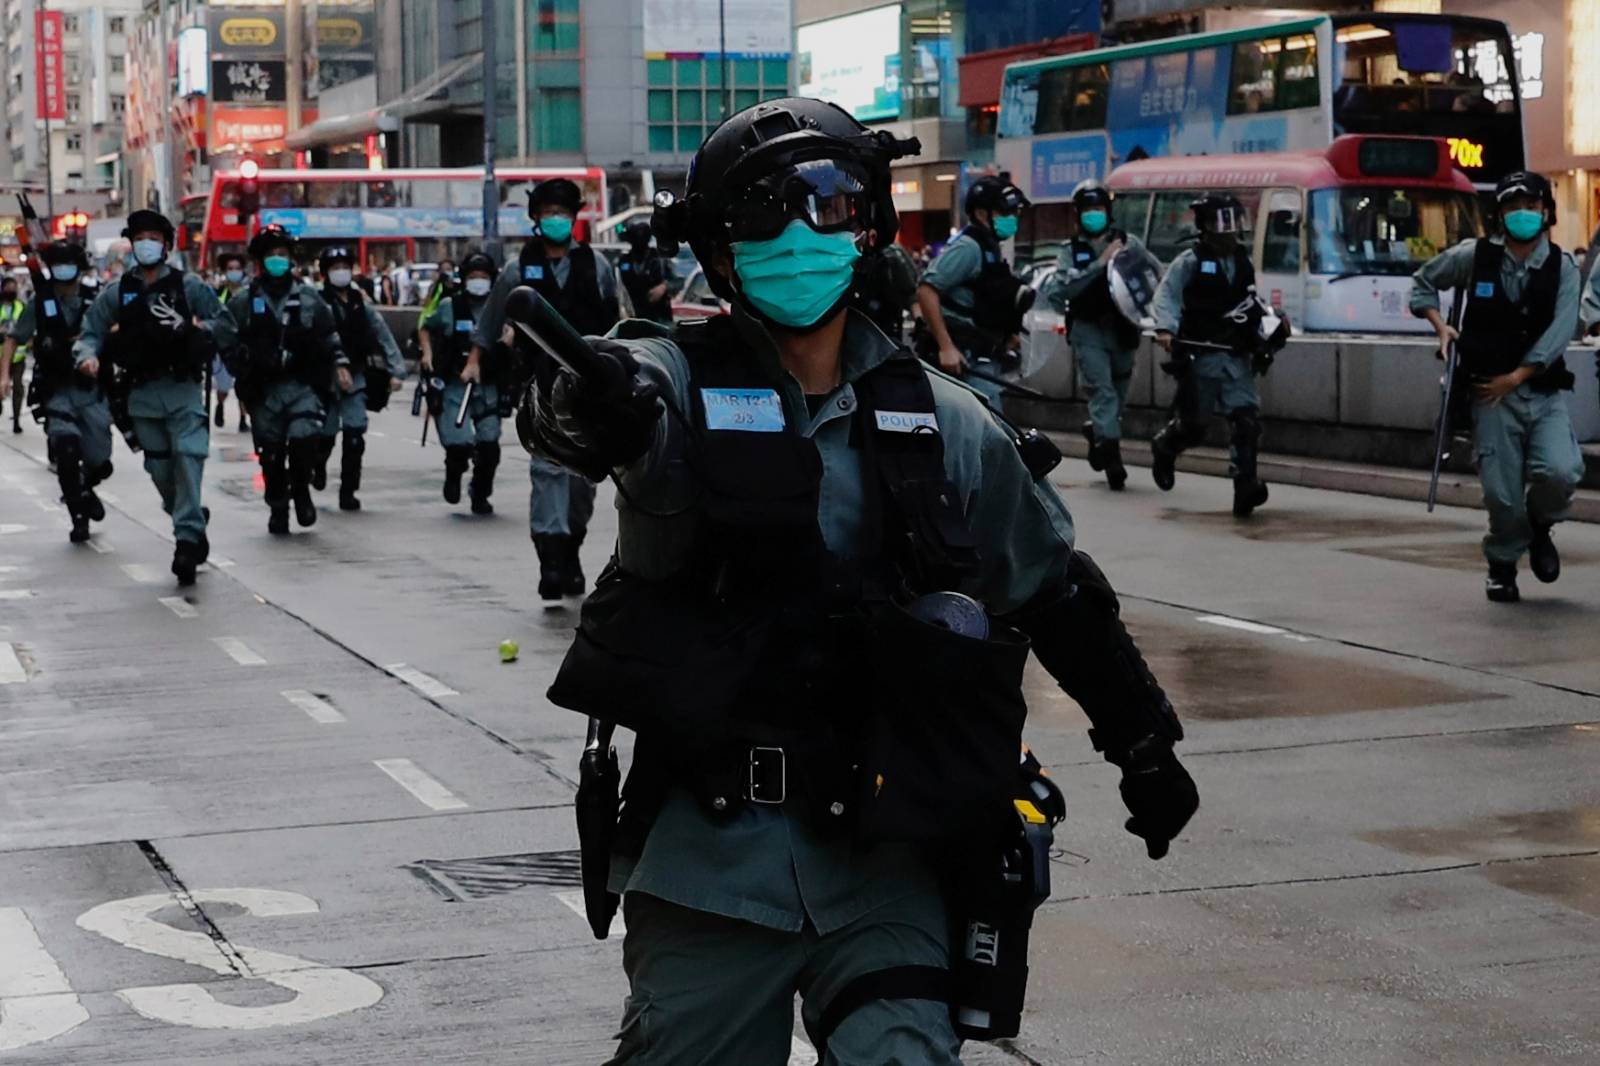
[
  {"x": 102, "y": 472},
  {"x": 354, "y": 443},
  {"x": 1246, "y": 427}
]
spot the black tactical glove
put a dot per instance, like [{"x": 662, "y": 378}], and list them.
[
  {"x": 1158, "y": 792},
  {"x": 615, "y": 409}
]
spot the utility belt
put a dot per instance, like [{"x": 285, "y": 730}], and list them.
[
  {"x": 1554, "y": 378},
  {"x": 142, "y": 366}
]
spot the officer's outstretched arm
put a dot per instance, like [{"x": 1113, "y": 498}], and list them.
[
  {"x": 1079, "y": 638},
  {"x": 608, "y": 418}
]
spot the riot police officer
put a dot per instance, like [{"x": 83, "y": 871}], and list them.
[
  {"x": 1197, "y": 309},
  {"x": 234, "y": 281},
  {"x": 158, "y": 328},
  {"x": 376, "y": 369},
  {"x": 447, "y": 338},
  {"x": 645, "y": 274},
  {"x": 1521, "y": 294},
  {"x": 579, "y": 283},
  {"x": 789, "y": 472},
  {"x": 969, "y": 296},
  {"x": 1104, "y": 342},
  {"x": 73, "y": 407},
  {"x": 288, "y": 355}
]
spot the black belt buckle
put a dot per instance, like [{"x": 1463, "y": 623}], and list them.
[{"x": 767, "y": 776}]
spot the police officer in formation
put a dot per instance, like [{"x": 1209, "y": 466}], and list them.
[
  {"x": 234, "y": 281},
  {"x": 1104, "y": 342},
  {"x": 77, "y": 418},
  {"x": 1522, "y": 296},
  {"x": 1194, "y": 310},
  {"x": 968, "y": 295},
  {"x": 288, "y": 355},
  {"x": 158, "y": 329},
  {"x": 789, "y": 470},
  {"x": 16, "y": 363},
  {"x": 645, "y": 275},
  {"x": 376, "y": 368},
  {"x": 579, "y": 283},
  {"x": 471, "y": 387}
]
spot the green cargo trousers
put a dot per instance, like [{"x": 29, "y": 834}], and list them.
[{"x": 713, "y": 991}]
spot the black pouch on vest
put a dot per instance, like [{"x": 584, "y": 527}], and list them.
[{"x": 941, "y": 748}]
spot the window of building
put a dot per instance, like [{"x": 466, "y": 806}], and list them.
[
  {"x": 117, "y": 24},
  {"x": 69, "y": 23},
  {"x": 555, "y": 112},
  {"x": 554, "y": 27},
  {"x": 118, "y": 64},
  {"x": 74, "y": 142},
  {"x": 119, "y": 104},
  {"x": 1273, "y": 75},
  {"x": 686, "y": 97},
  {"x": 557, "y": 121}
]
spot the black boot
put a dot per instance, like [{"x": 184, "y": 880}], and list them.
[
  {"x": 69, "y": 475},
  {"x": 1096, "y": 459},
  {"x": 1116, "y": 473},
  {"x": 1247, "y": 496},
  {"x": 551, "y": 553},
  {"x": 303, "y": 455},
  {"x": 1501, "y": 585},
  {"x": 244, "y": 422},
  {"x": 573, "y": 582},
  {"x": 319, "y": 462},
  {"x": 186, "y": 557},
  {"x": 217, "y": 419},
  {"x": 275, "y": 477},
  {"x": 457, "y": 457},
  {"x": 93, "y": 507},
  {"x": 355, "y": 446},
  {"x": 486, "y": 459},
  {"x": 1164, "y": 457},
  {"x": 1543, "y": 559},
  {"x": 1249, "y": 491}
]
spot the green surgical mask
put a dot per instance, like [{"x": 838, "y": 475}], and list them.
[
  {"x": 1094, "y": 222},
  {"x": 556, "y": 229},
  {"x": 798, "y": 276},
  {"x": 1524, "y": 225},
  {"x": 276, "y": 266},
  {"x": 1005, "y": 226}
]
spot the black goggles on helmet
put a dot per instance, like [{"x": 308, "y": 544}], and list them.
[{"x": 828, "y": 195}]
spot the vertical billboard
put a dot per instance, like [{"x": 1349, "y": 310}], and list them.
[
  {"x": 853, "y": 61},
  {"x": 49, "y": 66}
]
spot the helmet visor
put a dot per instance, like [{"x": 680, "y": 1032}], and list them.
[
  {"x": 825, "y": 194},
  {"x": 1228, "y": 220}
]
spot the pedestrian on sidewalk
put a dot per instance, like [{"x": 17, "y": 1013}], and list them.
[{"x": 1522, "y": 296}]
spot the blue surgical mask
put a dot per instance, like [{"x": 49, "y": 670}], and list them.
[
  {"x": 556, "y": 228},
  {"x": 234, "y": 276},
  {"x": 1094, "y": 222},
  {"x": 147, "y": 253},
  {"x": 796, "y": 277},
  {"x": 276, "y": 266},
  {"x": 1005, "y": 226},
  {"x": 1524, "y": 225},
  {"x": 64, "y": 271}
]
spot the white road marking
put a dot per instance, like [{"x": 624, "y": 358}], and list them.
[
  {"x": 44, "y": 505},
  {"x": 110, "y": 497},
  {"x": 409, "y": 776},
  {"x": 11, "y": 671},
  {"x": 180, "y": 606},
  {"x": 428, "y": 686},
  {"x": 16, "y": 594},
  {"x": 318, "y": 708},
  {"x": 238, "y": 651},
  {"x": 12, "y": 527},
  {"x": 376, "y": 433},
  {"x": 221, "y": 562},
  {"x": 39, "y": 1005},
  {"x": 103, "y": 547},
  {"x": 27, "y": 490},
  {"x": 141, "y": 573},
  {"x": 320, "y": 991},
  {"x": 1238, "y": 623},
  {"x": 574, "y": 902}
]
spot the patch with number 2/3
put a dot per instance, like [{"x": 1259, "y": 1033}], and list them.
[{"x": 747, "y": 410}]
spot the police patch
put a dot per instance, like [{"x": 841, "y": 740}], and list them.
[
  {"x": 1485, "y": 290},
  {"x": 907, "y": 421},
  {"x": 744, "y": 410},
  {"x": 1208, "y": 267},
  {"x": 533, "y": 272}
]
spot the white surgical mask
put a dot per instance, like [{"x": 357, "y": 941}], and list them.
[
  {"x": 340, "y": 277},
  {"x": 64, "y": 271},
  {"x": 479, "y": 286},
  {"x": 234, "y": 276},
  {"x": 149, "y": 252}
]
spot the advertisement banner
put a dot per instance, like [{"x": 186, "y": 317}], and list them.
[
  {"x": 755, "y": 28},
  {"x": 239, "y": 31},
  {"x": 260, "y": 129},
  {"x": 1060, "y": 163},
  {"x": 248, "y": 81},
  {"x": 51, "y": 89},
  {"x": 854, "y": 62},
  {"x": 353, "y": 223}
]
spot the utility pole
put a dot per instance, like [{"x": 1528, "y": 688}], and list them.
[
  {"x": 722, "y": 56},
  {"x": 293, "y": 67},
  {"x": 491, "y": 195},
  {"x": 49, "y": 165}
]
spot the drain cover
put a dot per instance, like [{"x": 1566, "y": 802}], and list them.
[{"x": 458, "y": 880}]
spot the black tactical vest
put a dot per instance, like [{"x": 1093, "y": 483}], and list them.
[
  {"x": 1094, "y": 303},
  {"x": 155, "y": 334},
  {"x": 280, "y": 346},
  {"x": 1496, "y": 333},
  {"x": 994, "y": 290},
  {"x": 54, "y": 334},
  {"x": 639, "y": 275},
  {"x": 579, "y": 300},
  {"x": 1209, "y": 296},
  {"x": 350, "y": 316},
  {"x": 451, "y": 349}
]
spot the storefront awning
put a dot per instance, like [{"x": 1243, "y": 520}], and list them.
[{"x": 414, "y": 103}]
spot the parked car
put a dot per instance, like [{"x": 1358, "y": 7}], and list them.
[{"x": 696, "y": 300}]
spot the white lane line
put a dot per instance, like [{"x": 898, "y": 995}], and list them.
[
  {"x": 40, "y": 1004},
  {"x": 376, "y": 433},
  {"x": 220, "y": 562},
  {"x": 11, "y": 671},
  {"x": 103, "y": 547},
  {"x": 428, "y": 686},
  {"x": 16, "y": 594},
  {"x": 573, "y": 899},
  {"x": 141, "y": 573},
  {"x": 179, "y": 606},
  {"x": 47, "y": 506},
  {"x": 318, "y": 708},
  {"x": 409, "y": 776},
  {"x": 9, "y": 569},
  {"x": 238, "y": 651},
  {"x": 12, "y": 527},
  {"x": 1238, "y": 623},
  {"x": 110, "y": 497},
  {"x": 27, "y": 490}
]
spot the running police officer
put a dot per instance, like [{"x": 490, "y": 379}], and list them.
[
  {"x": 968, "y": 295},
  {"x": 471, "y": 392},
  {"x": 158, "y": 329},
  {"x": 234, "y": 282},
  {"x": 579, "y": 283},
  {"x": 1200, "y": 292},
  {"x": 287, "y": 357},
  {"x": 1522, "y": 295},
  {"x": 1104, "y": 342},
  {"x": 11, "y": 306},
  {"x": 77, "y": 419},
  {"x": 811, "y": 471},
  {"x": 645, "y": 274},
  {"x": 376, "y": 369}
]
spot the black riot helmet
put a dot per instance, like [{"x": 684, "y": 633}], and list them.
[
  {"x": 1527, "y": 183},
  {"x": 147, "y": 221},
  {"x": 271, "y": 237},
  {"x": 335, "y": 253},
  {"x": 477, "y": 262},
  {"x": 1219, "y": 213},
  {"x": 997, "y": 194},
  {"x": 780, "y": 160},
  {"x": 1091, "y": 193},
  {"x": 558, "y": 192},
  {"x": 637, "y": 233},
  {"x": 60, "y": 252}
]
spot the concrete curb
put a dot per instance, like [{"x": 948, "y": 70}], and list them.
[{"x": 1455, "y": 490}]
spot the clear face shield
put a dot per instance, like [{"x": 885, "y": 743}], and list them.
[{"x": 1227, "y": 221}]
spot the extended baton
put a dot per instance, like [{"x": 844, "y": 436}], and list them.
[
  {"x": 532, "y": 316},
  {"x": 466, "y": 402},
  {"x": 1447, "y": 384}
]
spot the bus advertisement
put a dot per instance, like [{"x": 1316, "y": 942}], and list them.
[{"x": 1277, "y": 87}]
